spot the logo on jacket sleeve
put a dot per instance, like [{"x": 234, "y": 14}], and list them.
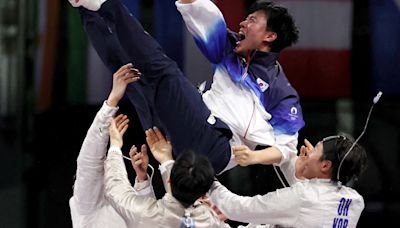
[
  {"x": 293, "y": 113},
  {"x": 262, "y": 84}
]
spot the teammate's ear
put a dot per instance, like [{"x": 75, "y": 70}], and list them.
[
  {"x": 270, "y": 36},
  {"x": 326, "y": 166}
]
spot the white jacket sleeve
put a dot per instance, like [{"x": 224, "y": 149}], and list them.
[
  {"x": 288, "y": 169},
  {"x": 279, "y": 207},
  {"x": 206, "y": 23},
  {"x": 88, "y": 187},
  {"x": 287, "y": 145},
  {"x": 165, "y": 171},
  {"x": 119, "y": 192}
]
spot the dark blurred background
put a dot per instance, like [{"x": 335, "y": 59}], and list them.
[{"x": 52, "y": 84}]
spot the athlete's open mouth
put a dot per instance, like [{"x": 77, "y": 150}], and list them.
[{"x": 241, "y": 36}]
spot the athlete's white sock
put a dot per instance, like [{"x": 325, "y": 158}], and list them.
[{"x": 93, "y": 5}]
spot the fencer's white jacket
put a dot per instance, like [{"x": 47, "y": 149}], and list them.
[
  {"x": 234, "y": 103},
  {"x": 147, "y": 211},
  {"x": 308, "y": 203},
  {"x": 88, "y": 205}
]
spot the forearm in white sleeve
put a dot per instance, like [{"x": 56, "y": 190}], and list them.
[
  {"x": 89, "y": 183},
  {"x": 279, "y": 207},
  {"x": 165, "y": 171},
  {"x": 144, "y": 188},
  {"x": 118, "y": 189},
  {"x": 206, "y": 23},
  {"x": 94, "y": 146},
  {"x": 288, "y": 169},
  {"x": 287, "y": 145}
]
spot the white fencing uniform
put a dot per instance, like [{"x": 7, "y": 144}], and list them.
[
  {"x": 89, "y": 208},
  {"x": 310, "y": 203},
  {"x": 139, "y": 211}
]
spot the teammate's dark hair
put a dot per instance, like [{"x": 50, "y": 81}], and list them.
[
  {"x": 354, "y": 164},
  {"x": 191, "y": 177},
  {"x": 279, "y": 21}
]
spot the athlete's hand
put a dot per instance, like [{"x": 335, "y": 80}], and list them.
[
  {"x": 306, "y": 149},
  {"x": 302, "y": 159},
  {"x": 118, "y": 127},
  {"x": 206, "y": 201},
  {"x": 243, "y": 155},
  {"x": 159, "y": 146},
  {"x": 125, "y": 75},
  {"x": 140, "y": 162}
]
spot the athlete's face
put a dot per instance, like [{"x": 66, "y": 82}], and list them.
[
  {"x": 313, "y": 164},
  {"x": 253, "y": 34}
]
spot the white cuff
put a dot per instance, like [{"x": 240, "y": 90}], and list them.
[
  {"x": 107, "y": 110},
  {"x": 104, "y": 116},
  {"x": 144, "y": 187},
  {"x": 163, "y": 167},
  {"x": 114, "y": 149}
]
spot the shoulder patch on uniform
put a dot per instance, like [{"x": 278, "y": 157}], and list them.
[{"x": 293, "y": 113}]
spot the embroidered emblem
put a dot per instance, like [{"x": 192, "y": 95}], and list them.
[{"x": 293, "y": 113}]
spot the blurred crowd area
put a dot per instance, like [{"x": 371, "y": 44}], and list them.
[{"x": 52, "y": 83}]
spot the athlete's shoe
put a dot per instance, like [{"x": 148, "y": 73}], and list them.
[{"x": 93, "y": 5}]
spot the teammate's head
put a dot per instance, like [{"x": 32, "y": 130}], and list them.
[
  {"x": 191, "y": 177},
  {"x": 267, "y": 28},
  {"x": 324, "y": 160},
  {"x": 353, "y": 165}
]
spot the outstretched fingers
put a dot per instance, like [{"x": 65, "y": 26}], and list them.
[
  {"x": 127, "y": 73},
  {"x": 132, "y": 151},
  {"x": 303, "y": 151},
  {"x": 143, "y": 151},
  {"x": 135, "y": 156},
  {"x": 151, "y": 137},
  {"x": 121, "y": 123},
  {"x": 119, "y": 118},
  {"x": 159, "y": 135},
  {"x": 131, "y": 75},
  {"x": 308, "y": 146},
  {"x": 124, "y": 69}
]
